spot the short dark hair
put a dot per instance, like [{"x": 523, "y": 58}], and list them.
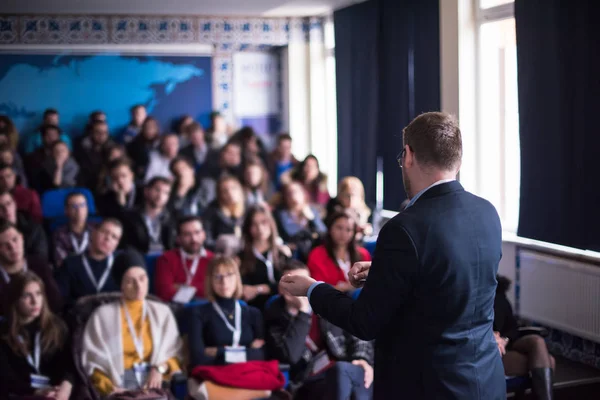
[
  {"x": 283, "y": 136},
  {"x": 3, "y": 192},
  {"x": 6, "y": 166},
  {"x": 94, "y": 116},
  {"x": 158, "y": 179},
  {"x": 186, "y": 220},
  {"x": 179, "y": 159},
  {"x": 69, "y": 196},
  {"x": 46, "y": 127},
  {"x": 135, "y": 107},
  {"x": 435, "y": 139},
  {"x": 111, "y": 220},
  {"x": 120, "y": 162},
  {"x": 293, "y": 265},
  {"x": 6, "y": 225},
  {"x": 193, "y": 127},
  {"x": 50, "y": 111}
]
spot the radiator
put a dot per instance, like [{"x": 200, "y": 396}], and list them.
[{"x": 559, "y": 293}]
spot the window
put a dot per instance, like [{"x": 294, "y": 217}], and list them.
[{"x": 498, "y": 149}]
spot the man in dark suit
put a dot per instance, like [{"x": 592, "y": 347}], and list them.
[{"x": 428, "y": 300}]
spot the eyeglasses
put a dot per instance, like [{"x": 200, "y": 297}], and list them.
[
  {"x": 222, "y": 277},
  {"x": 400, "y": 157}
]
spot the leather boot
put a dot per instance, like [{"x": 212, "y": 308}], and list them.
[{"x": 541, "y": 383}]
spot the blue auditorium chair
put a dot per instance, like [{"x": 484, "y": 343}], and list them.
[{"x": 53, "y": 202}]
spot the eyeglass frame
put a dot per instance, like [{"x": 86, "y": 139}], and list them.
[{"x": 400, "y": 157}]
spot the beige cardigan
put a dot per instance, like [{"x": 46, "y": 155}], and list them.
[{"x": 103, "y": 345}]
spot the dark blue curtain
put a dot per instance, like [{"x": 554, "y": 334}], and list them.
[
  {"x": 388, "y": 72},
  {"x": 559, "y": 99}
]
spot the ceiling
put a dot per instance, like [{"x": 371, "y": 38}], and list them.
[{"x": 247, "y": 8}]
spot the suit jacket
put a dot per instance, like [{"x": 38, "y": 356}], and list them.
[
  {"x": 286, "y": 341},
  {"x": 136, "y": 235},
  {"x": 429, "y": 300}
]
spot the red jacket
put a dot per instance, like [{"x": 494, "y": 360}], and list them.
[
  {"x": 170, "y": 272},
  {"x": 28, "y": 202},
  {"x": 254, "y": 375},
  {"x": 323, "y": 268}
]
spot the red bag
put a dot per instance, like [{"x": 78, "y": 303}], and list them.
[{"x": 255, "y": 375}]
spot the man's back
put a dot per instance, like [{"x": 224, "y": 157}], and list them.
[{"x": 440, "y": 343}]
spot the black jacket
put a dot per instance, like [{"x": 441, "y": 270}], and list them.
[
  {"x": 36, "y": 241},
  {"x": 216, "y": 223},
  {"x": 136, "y": 235}
]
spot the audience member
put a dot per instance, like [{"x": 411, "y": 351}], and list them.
[
  {"x": 89, "y": 272},
  {"x": 225, "y": 215},
  {"x": 331, "y": 261},
  {"x": 256, "y": 182},
  {"x": 197, "y": 151},
  {"x": 252, "y": 145},
  {"x": 35, "y": 345},
  {"x": 313, "y": 180},
  {"x": 149, "y": 229},
  {"x": 123, "y": 194},
  {"x": 10, "y": 157},
  {"x": 351, "y": 199},
  {"x": 224, "y": 323},
  {"x": 182, "y": 129},
  {"x": 9, "y": 133},
  {"x": 35, "y": 141},
  {"x": 142, "y": 145},
  {"x": 326, "y": 362},
  {"x": 180, "y": 272},
  {"x": 160, "y": 160},
  {"x": 262, "y": 256},
  {"x": 60, "y": 170},
  {"x": 138, "y": 115},
  {"x": 90, "y": 152},
  {"x": 13, "y": 262},
  {"x": 218, "y": 133},
  {"x": 36, "y": 242},
  {"x": 227, "y": 162},
  {"x": 281, "y": 160},
  {"x": 74, "y": 236},
  {"x": 110, "y": 154},
  {"x": 522, "y": 354},
  {"x": 133, "y": 343},
  {"x": 191, "y": 194},
  {"x": 50, "y": 134},
  {"x": 298, "y": 222},
  {"x": 28, "y": 201}
]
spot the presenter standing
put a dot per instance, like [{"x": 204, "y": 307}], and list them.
[{"x": 429, "y": 294}]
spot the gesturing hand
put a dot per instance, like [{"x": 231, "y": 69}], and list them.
[
  {"x": 358, "y": 273},
  {"x": 368, "y": 371},
  {"x": 296, "y": 285}
]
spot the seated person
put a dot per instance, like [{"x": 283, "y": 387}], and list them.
[
  {"x": 60, "y": 170},
  {"x": 298, "y": 222},
  {"x": 191, "y": 194},
  {"x": 180, "y": 272},
  {"x": 262, "y": 257},
  {"x": 149, "y": 229},
  {"x": 218, "y": 132},
  {"x": 313, "y": 180},
  {"x": 142, "y": 145},
  {"x": 90, "y": 153},
  {"x": 74, "y": 237},
  {"x": 325, "y": 361},
  {"x": 281, "y": 159},
  {"x": 35, "y": 161},
  {"x": 228, "y": 161},
  {"x": 521, "y": 355},
  {"x": 36, "y": 242},
  {"x": 132, "y": 343},
  {"x": 160, "y": 160},
  {"x": 331, "y": 261},
  {"x": 224, "y": 322},
  {"x": 13, "y": 263},
  {"x": 90, "y": 272},
  {"x": 138, "y": 115},
  {"x": 9, "y": 156},
  {"x": 197, "y": 152},
  {"x": 225, "y": 215},
  {"x": 256, "y": 182},
  {"x": 351, "y": 199},
  {"x": 123, "y": 195},
  {"x": 28, "y": 201},
  {"x": 35, "y": 141},
  {"x": 35, "y": 349}
]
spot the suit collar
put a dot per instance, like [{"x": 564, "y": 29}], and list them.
[{"x": 442, "y": 189}]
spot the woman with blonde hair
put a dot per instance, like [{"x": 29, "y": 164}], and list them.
[
  {"x": 351, "y": 200},
  {"x": 35, "y": 351}
]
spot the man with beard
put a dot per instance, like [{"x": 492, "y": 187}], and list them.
[
  {"x": 180, "y": 272},
  {"x": 428, "y": 297},
  {"x": 89, "y": 272},
  {"x": 13, "y": 262}
]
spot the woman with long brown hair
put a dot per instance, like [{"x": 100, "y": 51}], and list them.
[
  {"x": 35, "y": 357},
  {"x": 262, "y": 256},
  {"x": 255, "y": 179}
]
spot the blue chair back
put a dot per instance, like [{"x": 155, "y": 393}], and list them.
[
  {"x": 271, "y": 300},
  {"x": 53, "y": 202}
]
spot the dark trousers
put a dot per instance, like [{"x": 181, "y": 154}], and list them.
[{"x": 343, "y": 381}]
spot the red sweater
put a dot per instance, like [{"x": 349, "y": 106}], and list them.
[
  {"x": 170, "y": 272},
  {"x": 323, "y": 268},
  {"x": 28, "y": 202}
]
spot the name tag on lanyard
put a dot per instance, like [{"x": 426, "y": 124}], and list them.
[{"x": 141, "y": 368}]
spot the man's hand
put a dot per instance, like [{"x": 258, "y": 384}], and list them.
[
  {"x": 368, "y": 371},
  {"x": 501, "y": 342},
  {"x": 295, "y": 285},
  {"x": 358, "y": 273},
  {"x": 257, "y": 343},
  {"x": 154, "y": 380},
  {"x": 210, "y": 352}
]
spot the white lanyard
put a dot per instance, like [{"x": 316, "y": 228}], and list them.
[
  {"x": 344, "y": 265},
  {"x": 191, "y": 272},
  {"x": 268, "y": 262},
  {"x": 138, "y": 341},
  {"x": 5, "y": 274},
  {"x": 97, "y": 284},
  {"x": 154, "y": 233},
  {"x": 35, "y": 360},
  {"x": 80, "y": 248},
  {"x": 237, "y": 331}
]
